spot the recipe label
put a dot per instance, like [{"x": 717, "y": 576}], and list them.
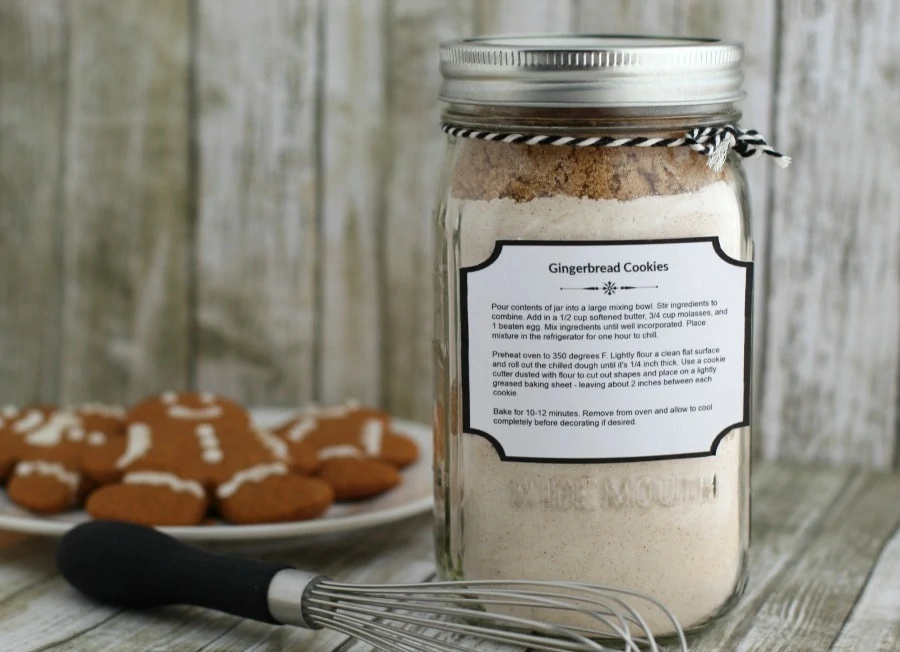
[{"x": 610, "y": 351}]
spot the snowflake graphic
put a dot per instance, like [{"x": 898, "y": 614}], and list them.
[{"x": 609, "y": 288}]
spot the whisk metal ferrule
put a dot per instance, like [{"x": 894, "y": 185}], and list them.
[{"x": 287, "y": 597}]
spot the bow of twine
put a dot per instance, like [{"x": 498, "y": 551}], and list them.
[
  {"x": 712, "y": 142},
  {"x": 716, "y": 142}
]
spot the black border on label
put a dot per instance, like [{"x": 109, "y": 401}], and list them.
[{"x": 464, "y": 344}]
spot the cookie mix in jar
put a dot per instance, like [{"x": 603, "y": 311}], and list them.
[{"x": 594, "y": 290}]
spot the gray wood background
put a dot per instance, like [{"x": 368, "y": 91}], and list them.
[{"x": 236, "y": 195}]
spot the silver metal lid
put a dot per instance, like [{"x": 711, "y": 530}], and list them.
[{"x": 591, "y": 70}]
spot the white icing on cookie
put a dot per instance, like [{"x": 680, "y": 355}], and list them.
[
  {"x": 331, "y": 412},
  {"x": 335, "y": 411},
  {"x": 48, "y": 469},
  {"x": 194, "y": 414},
  {"x": 344, "y": 450},
  {"x": 372, "y": 437},
  {"x": 159, "y": 479},
  {"x": 212, "y": 456},
  {"x": 138, "y": 444},
  {"x": 253, "y": 474},
  {"x": 205, "y": 431},
  {"x": 9, "y": 411},
  {"x": 302, "y": 428},
  {"x": 206, "y": 397},
  {"x": 169, "y": 398},
  {"x": 272, "y": 443},
  {"x": 209, "y": 444},
  {"x": 96, "y": 438},
  {"x": 103, "y": 410},
  {"x": 53, "y": 431},
  {"x": 31, "y": 420},
  {"x": 76, "y": 434}
]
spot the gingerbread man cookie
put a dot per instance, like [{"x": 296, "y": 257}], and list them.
[
  {"x": 363, "y": 428},
  {"x": 36, "y": 429},
  {"x": 351, "y": 446},
  {"x": 157, "y": 429},
  {"x": 47, "y": 445}
]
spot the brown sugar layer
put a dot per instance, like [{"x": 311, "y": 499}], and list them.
[{"x": 492, "y": 170}]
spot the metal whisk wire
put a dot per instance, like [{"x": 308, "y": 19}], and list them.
[
  {"x": 382, "y": 615},
  {"x": 535, "y": 600}
]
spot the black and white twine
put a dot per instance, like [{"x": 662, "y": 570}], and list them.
[{"x": 712, "y": 142}]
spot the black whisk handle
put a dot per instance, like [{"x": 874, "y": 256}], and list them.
[{"x": 134, "y": 566}]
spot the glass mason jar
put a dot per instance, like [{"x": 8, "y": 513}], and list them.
[{"x": 593, "y": 320}]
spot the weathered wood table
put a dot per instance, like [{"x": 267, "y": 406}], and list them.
[{"x": 824, "y": 575}]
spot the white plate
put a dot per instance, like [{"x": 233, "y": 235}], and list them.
[{"x": 412, "y": 497}]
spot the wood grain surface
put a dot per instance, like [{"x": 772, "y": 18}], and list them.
[
  {"x": 212, "y": 194},
  {"x": 407, "y": 237},
  {"x": 354, "y": 148},
  {"x": 125, "y": 201},
  {"x": 830, "y": 385},
  {"x": 33, "y": 72},
  {"x": 257, "y": 170}
]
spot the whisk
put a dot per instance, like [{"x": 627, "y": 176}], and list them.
[{"x": 134, "y": 566}]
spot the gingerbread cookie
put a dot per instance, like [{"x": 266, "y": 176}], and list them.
[
  {"x": 150, "y": 498},
  {"x": 47, "y": 445},
  {"x": 365, "y": 429},
  {"x": 108, "y": 462},
  {"x": 100, "y": 421},
  {"x": 356, "y": 478},
  {"x": 158, "y": 429},
  {"x": 304, "y": 459},
  {"x": 44, "y": 487},
  {"x": 389, "y": 447},
  {"x": 36, "y": 432},
  {"x": 270, "y": 493}
]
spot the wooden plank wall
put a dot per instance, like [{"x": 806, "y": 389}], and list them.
[{"x": 236, "y": 195}]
